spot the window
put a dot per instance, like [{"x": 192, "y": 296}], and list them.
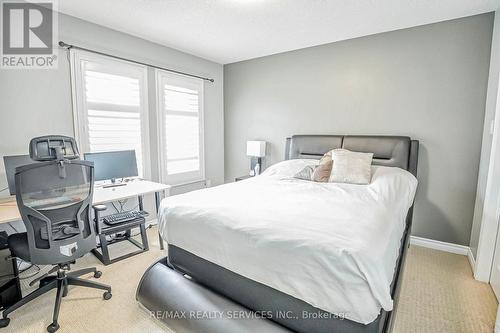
[
  {"x": 110, "y": 106},
  {"x": 180, "y": 127},
  {"x": 111, "y": 113}
]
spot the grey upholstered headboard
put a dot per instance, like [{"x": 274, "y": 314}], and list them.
[{"x": 397, "y": 151}]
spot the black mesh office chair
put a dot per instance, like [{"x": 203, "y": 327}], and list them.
[{"x": 55, "y": 201}]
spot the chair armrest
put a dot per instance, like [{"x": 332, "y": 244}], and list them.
[{"x": 97, "y": 210}]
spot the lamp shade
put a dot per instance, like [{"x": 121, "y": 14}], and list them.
[{"x": 256, "y": 148}]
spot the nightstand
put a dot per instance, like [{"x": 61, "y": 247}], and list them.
[{"x": 237, "y": 179}]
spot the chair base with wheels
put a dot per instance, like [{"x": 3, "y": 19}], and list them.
[
  {"x": 60, "y": 282},
  {"x": 64, "y": 278}
]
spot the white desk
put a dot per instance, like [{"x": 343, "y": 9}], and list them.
[
  {"x": 136, "y": 188},
  {"x": 9, "y": 211},
  {"x": 132, "y": 189}
]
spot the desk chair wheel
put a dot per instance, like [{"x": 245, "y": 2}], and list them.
[
  {"x": 4, "y": 322},
  {"x": 97, "y": 274},
  {"x": 107, "y": 295},
  {"x": 52, "y": 327}
]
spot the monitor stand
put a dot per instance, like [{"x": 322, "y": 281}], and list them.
[{"x": 114, "y": 184}]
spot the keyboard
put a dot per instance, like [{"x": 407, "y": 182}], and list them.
[{"x": 123, "y": 217}]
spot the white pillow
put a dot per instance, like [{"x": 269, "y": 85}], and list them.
[{"x": 351, "y": 167}]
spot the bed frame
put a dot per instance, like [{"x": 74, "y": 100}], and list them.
[{"x": 212, "y": 288}]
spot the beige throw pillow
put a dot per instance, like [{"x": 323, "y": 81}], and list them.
[
  {"x": 351, "y": 167},
  {"x": 326, "y": 158},
  {"x": 322, "y": 172}
]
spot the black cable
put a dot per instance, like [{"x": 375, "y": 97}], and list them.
[
  {"x": 29, "y": 276},
  {"x": 123, "y": 203},
  {"x": 15, "y": 230},
  {"x": 18, "y": 264},
  {"x": 114, "y": 206}
]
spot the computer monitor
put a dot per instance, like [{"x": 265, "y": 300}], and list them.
[
  {"x": 113, "y": 164},
  {"x": 11, "y": 163}
]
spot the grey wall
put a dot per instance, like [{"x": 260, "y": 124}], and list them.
[
  {"x": 489, "y": 117},
  {"x": 427, "y": 82},
  {"x": 38, "y": 102}
]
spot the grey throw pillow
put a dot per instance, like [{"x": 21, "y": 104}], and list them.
[{"x": 306, "y": 173}]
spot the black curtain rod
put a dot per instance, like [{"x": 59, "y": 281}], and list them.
[{"x": 69, "y": 46}]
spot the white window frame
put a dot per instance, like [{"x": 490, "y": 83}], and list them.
[
  {"x": 187, "y": 177},
  {"x": 112, "y": 66}
]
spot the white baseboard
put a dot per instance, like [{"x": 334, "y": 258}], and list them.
[
  {"x": 472, "y": 261},
  {"x": 441, "y": 246},
  {"x": 446, "y": 247}
]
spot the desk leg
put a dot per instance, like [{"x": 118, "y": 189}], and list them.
[
  {"x": 157, "y": 200},
  {"x": 140, "y": 198},
  {"x": 144, "y": 237},
  {"x": 141, "y": 204}
]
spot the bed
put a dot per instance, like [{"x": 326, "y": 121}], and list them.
[{"x": 311, "y": 257}]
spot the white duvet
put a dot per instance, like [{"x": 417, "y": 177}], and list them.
[{"x": 332, "y": 245}]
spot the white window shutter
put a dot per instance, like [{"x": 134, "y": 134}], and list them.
[
  {"x": 111, "y": 106},
  {"x": 181, "y": 127}
]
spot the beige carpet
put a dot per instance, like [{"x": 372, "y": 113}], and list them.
[{"x": 438, "y": 295}]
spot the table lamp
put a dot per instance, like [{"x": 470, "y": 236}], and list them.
[{"x": 256, "y": 150}]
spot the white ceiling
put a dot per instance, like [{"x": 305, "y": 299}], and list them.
[{"x": 227, "y": 31}]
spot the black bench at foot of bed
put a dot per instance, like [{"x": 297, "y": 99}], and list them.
[{"x": 187, "y": 307}]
